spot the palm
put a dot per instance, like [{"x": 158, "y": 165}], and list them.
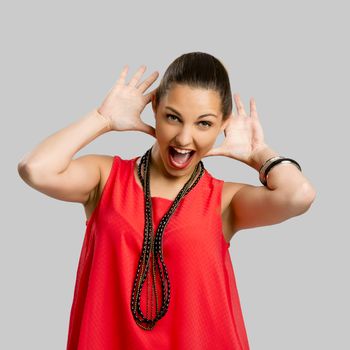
[
  {"x": 125, "y": 102},
  {"x": 129, "y": 99},
  {"x": 243, "y": 134}
]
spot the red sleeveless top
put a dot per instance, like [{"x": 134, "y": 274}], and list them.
[{"x": 204, "y": 312}]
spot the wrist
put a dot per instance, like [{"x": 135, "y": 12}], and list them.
[
  {"x": 260, "y": 156},
  {"x": 106, "y": 121}
]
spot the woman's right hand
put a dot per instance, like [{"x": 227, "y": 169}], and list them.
[{"x": 125, "y": 102}]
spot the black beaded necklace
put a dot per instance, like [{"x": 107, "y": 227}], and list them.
[{"x": 153, "y": 246}]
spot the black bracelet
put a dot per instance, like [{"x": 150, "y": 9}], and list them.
[{"x": 274, "y": 162}]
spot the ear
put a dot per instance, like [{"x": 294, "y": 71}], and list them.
[
  {"x": 154, "y": 103},
  {"x": 224, "y": 124}
]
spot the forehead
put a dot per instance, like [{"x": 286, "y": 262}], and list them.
[{"x": 185, "y": 97}]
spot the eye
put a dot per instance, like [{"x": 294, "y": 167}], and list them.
[
  {"x": 171, "y": 116},
  {"x": 174, "y": 117},
  {"x": 207, "y": 125}
]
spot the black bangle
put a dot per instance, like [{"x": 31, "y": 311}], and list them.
[{"x": 274, "y": 163}]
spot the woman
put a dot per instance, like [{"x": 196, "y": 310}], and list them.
[{"x": 155, "y": 269}]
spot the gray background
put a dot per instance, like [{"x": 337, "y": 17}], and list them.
[{"x": 59, "y": 60}]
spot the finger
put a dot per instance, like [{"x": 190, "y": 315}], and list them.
[
  {"x": 135, "y": 79},
  {"x": 123, "y": 75},
  {"x": 148, "y": 129},
  {"x": 239, "y": 105},
  {"x": 253, "y": 112},
  {"x": 150, "y": 94},
  {"x": 148, "y": 82},
  {"x": 214, "y": 152}
]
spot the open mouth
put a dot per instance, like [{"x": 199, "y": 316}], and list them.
[{"x": 180, "y": 160}]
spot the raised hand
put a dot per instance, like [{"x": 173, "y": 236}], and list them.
[
  {"x": 125, "y": 102},
  {"x": 243, "y": 134}
]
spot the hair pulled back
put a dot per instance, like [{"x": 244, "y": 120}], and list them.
[{"x": 198, "y": 70}]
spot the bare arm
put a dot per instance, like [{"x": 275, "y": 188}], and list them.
[
  {"x": 289, "y": 193},
  {"x": 50, "y": 169}
]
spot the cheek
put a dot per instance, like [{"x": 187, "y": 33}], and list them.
[
  {"x": 163, "y": 133},
  {"x": 208, "y": 140}
]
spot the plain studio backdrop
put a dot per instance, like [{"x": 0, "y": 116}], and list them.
[{"x": 60, "y": 59}]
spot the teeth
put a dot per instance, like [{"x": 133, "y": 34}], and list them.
[{"x": 181, "y": 150}]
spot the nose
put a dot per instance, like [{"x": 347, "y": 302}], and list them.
[{"x": 184, "y": 137}]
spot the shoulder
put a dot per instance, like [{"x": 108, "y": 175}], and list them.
[
  {"x": 229, "y": 189},
  {"x": 99, "y": 160},
  {"x": 104, "y": 163}
]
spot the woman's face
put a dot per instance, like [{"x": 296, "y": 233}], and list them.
[{"x": 179, "y": 124}]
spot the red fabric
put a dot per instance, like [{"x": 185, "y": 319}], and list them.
[{"x": 204, "y": 311}]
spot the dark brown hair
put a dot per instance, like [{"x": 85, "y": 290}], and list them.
[{"x": 199, "y": 70}]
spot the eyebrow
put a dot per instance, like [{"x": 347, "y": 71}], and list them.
[{"x": 201, "y": 116}]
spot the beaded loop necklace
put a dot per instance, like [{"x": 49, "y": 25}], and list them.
[{"x": 152, "y": 248}]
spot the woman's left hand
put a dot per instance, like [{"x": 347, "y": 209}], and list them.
[{"x": 243, "y": 134}]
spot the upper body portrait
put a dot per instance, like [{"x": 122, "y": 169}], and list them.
[
  {"x": 192, "y": 105},
  {"x": 155, "y": 269}
]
